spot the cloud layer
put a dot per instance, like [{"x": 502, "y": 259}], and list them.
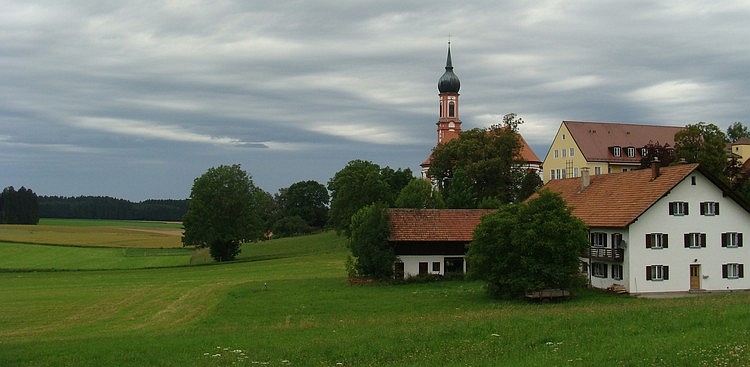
[{"x": 136, "y": 99}]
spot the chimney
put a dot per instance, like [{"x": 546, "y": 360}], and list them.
[
  {"x": 655, "y": 165},
  {"x": 585, "y": 178}
]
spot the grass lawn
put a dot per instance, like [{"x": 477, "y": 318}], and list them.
[{"x": 287, "y": 303}]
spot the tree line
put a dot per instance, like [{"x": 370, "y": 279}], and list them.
[{"x": 105, "y": 207}]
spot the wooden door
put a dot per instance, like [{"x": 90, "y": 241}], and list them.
[{"x": 695, "y": 276}]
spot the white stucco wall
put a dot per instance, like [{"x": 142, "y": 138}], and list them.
[
  {"x": 411, "y": 263},
  {"x": 732, "y": 218}
]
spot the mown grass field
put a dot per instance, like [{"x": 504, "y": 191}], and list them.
[{"x": 287, "y": 303}]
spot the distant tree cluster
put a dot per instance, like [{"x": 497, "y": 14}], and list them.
[
  {"x": 104, "y": 207},
  {"x": 18, "y": 206}
]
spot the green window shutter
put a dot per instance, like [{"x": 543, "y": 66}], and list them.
[
  {"x": 665, "y": 272},
  {"x": 648, "y": 273}
]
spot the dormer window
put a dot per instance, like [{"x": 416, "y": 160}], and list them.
[
  {"x": 644, "y": 152},
  {"x": 616, "y": 151},
  {"x": 631, "y": 152}
]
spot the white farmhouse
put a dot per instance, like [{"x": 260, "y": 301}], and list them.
[{"x": 670, "y": 229}]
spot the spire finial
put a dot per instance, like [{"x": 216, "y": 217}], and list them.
[{"x": 449, "y": 62}]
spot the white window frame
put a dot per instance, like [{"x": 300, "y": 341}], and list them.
[
  {"x": 679, "y": 208},
  {"x": 731, "y": 239},
  {"x": 597, "y": 170},
  {"x": 598, "y": 239},
  {"x": 657, "y": 272},
  {"x": 616, "y": 271},
  {"x": 657, "y": 240},
  {"x": 556, "y": 153},
  {"x": 709, "y": 208},
  {"x": 695, "y": 240},
  {"x": 599, "y": 270},
  {"x": 733, "y": 271},
  {"x": 616, "y": 151},
  {"x": 571, "y": 152},
  {"x": 631, "y": 152}
]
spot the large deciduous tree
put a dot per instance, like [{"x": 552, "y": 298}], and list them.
[
  {"x": 359, "y": 184},
  {"x": 528, "y": 246},
  {"x": 702, "y": 143},
  {"x": 307, "y": 200},
  {"x": 419, "y": 194},
  {"x": 224, "y": 211},
  {"x": 737, "y": 130},
  {"x": 373, "y": 256},
  {"x": 489, "y": 158}
]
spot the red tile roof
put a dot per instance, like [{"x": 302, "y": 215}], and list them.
[
  {"x": 595, "y": 139},
  {"x": 618, "y": 199},
  {"x": 444, "y": 225}
]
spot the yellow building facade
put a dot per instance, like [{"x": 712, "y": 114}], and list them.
[{"x": 602, "y": 147}]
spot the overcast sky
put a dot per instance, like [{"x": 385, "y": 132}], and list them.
[{"x": 135, "y": 99}]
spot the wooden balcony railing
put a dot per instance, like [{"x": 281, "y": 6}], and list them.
[{"x": 604, "y": 253}]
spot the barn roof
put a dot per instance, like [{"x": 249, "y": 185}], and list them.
[{"x": 444, "y": 225}]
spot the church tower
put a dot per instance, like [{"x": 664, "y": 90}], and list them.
[{"x": 448, "y": 124}]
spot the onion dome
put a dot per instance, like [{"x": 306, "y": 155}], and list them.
[{"x": 449, "y": 82}]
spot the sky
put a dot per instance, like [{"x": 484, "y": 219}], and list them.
[{"x": 135, "y": 99}]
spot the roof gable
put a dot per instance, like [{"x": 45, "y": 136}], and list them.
[
  {"x": 444, "y": 225},
  {"x": 594, "y": 139},
  {"x": 618, "y": 199}
]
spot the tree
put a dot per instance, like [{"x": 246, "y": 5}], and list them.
[
  {"x": 419, "y": 194},
  {"x": 223, "y": 212},
  {"x": 664, "y": 153},
  {"x": 736, "y": 131},
  {"x": 704, "y": 144},
  {"x": 373, "y": 256},
  {"x": 490, "y": 158},
  {"x": 19, "y": 207},
  {"x": 306, "y": 199},
  {"x": 528, "y": 246},
  {"x": 359, "y": 184}
]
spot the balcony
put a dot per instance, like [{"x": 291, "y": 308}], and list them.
[{"x": 605, "y": 254}]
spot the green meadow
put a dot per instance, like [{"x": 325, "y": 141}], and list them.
[{"x": 287, "y": 302}]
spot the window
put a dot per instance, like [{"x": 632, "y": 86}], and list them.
[
  {"x": 657, "y": 240},
  {"x": 616, "y": 151},
  {"x": 709, "y": 208},
  {"x": 692, "y": 180},
  {"x": 556, "y": 153},
  {"x": 644, "y": 152},
  {"x": 617, "y": 272},
  {"x": 631, "y": 152},
  {"x": 598, "y": 239},
  {"x": 732, "y": 271},
  {"x": 575, "y": 172},
  {"x": 597, "y": 170},
  {"x": 451, "y": 109},
  {"x": 571, "y": 152},
  {"x": 551, "y": 174},
  {"x": 563, "y": 136},
  {"x": 436, "y": 266},
  {"x": 657, "y": 272},
  {"x": 564, "y": 174},
  {"x": 599, "y": 270},
  {"x": 617, "y": 240},
  {"x": 559, "y": 175},
  {"x": 731, "y": 239},
  {"x": 678, "y": 208},
  {"x": 695, "y": 240},
  {"x": 564, "y": 152}
]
